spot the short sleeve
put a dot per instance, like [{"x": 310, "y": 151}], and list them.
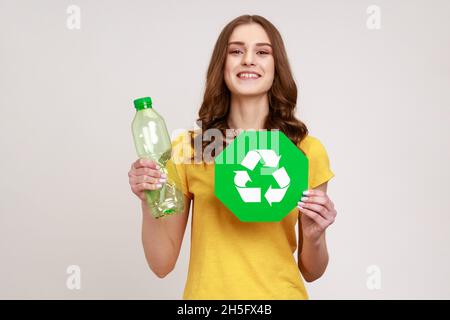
[
  {"x": 319, "y": 163},
  {"x": 178, "y": 164}
]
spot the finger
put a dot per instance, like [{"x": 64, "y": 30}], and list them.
[
  {"x": 317, "y": 218},
  {"x": 142, "y": 163},
  {"x": 148, "y": 172},
  {"x": 332, "y": 204},
  {"x": 148, "y": 179},
  {"x": 320, "y": 200},
  {"x": 333, "y": 213},
  {"x": 319, "y": 209},
  {"x": 146, "y": 186},
  {"x": 314, "y": 192}
]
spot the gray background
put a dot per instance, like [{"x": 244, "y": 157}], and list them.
[{"x": 378, "y": 100}]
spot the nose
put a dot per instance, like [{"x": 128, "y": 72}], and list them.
[{"x": 248, "y": 58}]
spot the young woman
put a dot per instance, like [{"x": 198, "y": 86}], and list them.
[{"x": 249, "y": 86}]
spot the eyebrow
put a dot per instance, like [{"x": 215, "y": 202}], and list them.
[{"x": 257, "y": 44}]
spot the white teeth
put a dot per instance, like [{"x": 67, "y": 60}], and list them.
[{"x": 248, "y": 75}]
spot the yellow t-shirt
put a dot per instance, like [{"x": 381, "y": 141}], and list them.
[{"x": 235, "y": 260}]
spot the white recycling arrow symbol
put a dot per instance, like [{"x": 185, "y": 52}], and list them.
[{"x": 271, "y": 159}]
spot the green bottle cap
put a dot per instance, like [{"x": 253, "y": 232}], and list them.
[{"x": 143, "y": 103}]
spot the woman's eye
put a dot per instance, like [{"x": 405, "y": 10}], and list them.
[{"x": 238, "y": 51}]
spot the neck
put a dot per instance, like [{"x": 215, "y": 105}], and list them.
[{"x": 248, "y": 112}]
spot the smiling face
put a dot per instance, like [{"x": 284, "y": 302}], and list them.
[{"x": 249, "y": 66}]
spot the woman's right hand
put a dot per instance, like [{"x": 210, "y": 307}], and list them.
[{"x": 145, "y": 175}]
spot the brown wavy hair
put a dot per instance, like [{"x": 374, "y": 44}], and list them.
[{"x": 214, "y": 111}]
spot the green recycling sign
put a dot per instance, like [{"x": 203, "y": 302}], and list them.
[{"x": 260, "y": 176}]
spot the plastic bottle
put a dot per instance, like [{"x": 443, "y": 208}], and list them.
[{"x": 152, "y": 141}]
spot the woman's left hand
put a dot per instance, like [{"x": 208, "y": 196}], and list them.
[{"x": 318, "y": 213}]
